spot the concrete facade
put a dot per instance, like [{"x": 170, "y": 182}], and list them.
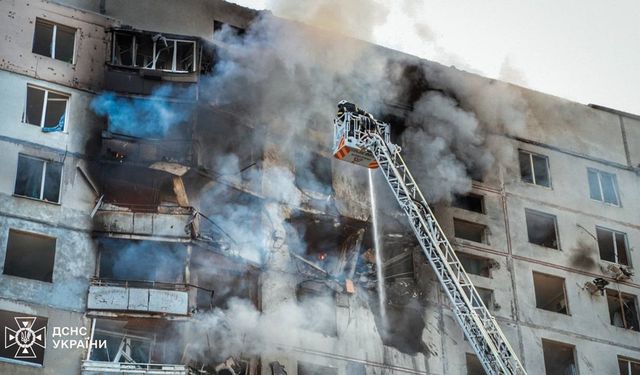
[{"x": 160, "y": 269}]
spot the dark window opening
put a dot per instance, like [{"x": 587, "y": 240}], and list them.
[
  {"x": 9, "y": 348},
  {"x": 38, "y": 179},
  {"x": 311, "y": 369},
  {"x": 46, "y": 109},
  {"x": 612, "y": 246},
  {"x": 550, "y": 293},
  {"x": 475, "y": 265},
  {"x": 534, "y": 168},
  {"x": 542, "y": 229},
  {"x": 559, "y": 358},
  {"x": 486, "y": 295},
  {"x": 629, "y": 366},
  {"x": 30, "y": 255},
  {"x": 218, "y": 25},
  {"x": 142, "y": 261},
  {"x": 474, "y": 367},
  {"x": 469, "y": 202},
  {"x": 54, "y": 40},
  {"x": 603, "y": 186},
  {"x": 623, "y": 310},
  {"x": 469, "y": 231}
]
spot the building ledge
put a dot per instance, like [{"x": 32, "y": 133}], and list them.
[{"x": 100, "y": 368}]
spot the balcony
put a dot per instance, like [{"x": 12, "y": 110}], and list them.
[
  {"x": 145, "y": 152},
  {"x": 102, "y": 368},
  {"x": 139, "y": 297},
  {"x": 168, "y": 223}
]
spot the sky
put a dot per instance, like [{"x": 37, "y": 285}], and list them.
[{"x": 587, "y": 51}]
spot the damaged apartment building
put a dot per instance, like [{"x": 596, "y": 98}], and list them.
[{"x": 194, "y": 234}]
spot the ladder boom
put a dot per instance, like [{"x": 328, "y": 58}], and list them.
[{"x": 354, "y": 132}]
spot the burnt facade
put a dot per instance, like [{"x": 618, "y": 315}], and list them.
[{"x": 167, "y": 211}]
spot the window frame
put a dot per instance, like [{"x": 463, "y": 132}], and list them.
[
  {"x": 485, "y": 231},
  {"x": 134, "y": 53},
  {"x": 616, "y": 190},
  {"x": 564, "y": 292},
  {"x": 42, "y": 179},
  {"x": 628, "y": 361},
  {"x": 574, "y": 353},
  {"x": 530, "y": 155},
  {"x": 44, "y": 107},
  {"x": 620, "y": 296},
  {"x": 555, "y": 225},
  {"x": 615, "y": 245},
  {"x": 34, "y": 234},
  {"x": 54, "y": 32},
  {"x": 458, "y": 199}
]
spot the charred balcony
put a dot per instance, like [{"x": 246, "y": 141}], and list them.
[
  {"x": 142, "y": 61},
  {"x": 175, "y": 155}
]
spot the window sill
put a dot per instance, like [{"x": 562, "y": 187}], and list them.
[
  {"x": 606, "y": 203},
  {"x": 73, "y": 64},
  {"x": 40, "y": 128},
  {"x": 37, "y": 200},
  {"x": 26, "y": 279},
  {"x": 545, "y": 247},
  {"x": 16, "y": 362},
  {"x": 553, "y": 312},
  {"x": 536, "y": 185}
]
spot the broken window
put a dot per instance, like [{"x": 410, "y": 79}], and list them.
[
  {"x": 534, "y": 168},
  {"x": 38, "y": 178},
  {"x": 603, "y": 186},
  {"x": 550, "y": 293},
  {"x": 542, "y": 229},
  {"x": 311, "y": 369},
  {"x": 46, "y": 109},
  {"x": 319, "y": 302},
  {"x": 474, "y": 367},
  {"x": 612, "y": 245},
  {"x": 623, "y": 310},
  {"x": 475, "y": 265},
  {"x": 469, "y": 202},
  {"x": 30, "y": 255},
  {"x": 34, "y": 352},
  {"x": 153, "y": 52},
  {"x": 54, "y": 40},
  {"x": 218, "y": 25},
  {"x": 559, "y": 358},
  {"x": 628, "y": 366},
  {"x": 469, "y": 231}
]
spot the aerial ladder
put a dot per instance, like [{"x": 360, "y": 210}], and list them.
[{"x": 361, "y": 139}]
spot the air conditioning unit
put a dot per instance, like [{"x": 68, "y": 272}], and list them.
[{"x": 619, "y": 272}]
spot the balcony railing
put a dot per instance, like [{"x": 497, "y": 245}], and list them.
[
  {"x": 138, "y": 296},
  {"x": 103, "y": 368},
  {"x": 167, "y": 223},
  {"x": 145, "y": 152}
]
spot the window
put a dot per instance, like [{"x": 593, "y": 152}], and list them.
[
  {"x": 469, "y": 231},
  {"x": 153, "y": 52},
  {"x": 311, "y": 369},
  {"x": 218, "y": 25},
  {"x": 559, "y": 358},
  {"x": 486, "y": 295},
  {"x": 53, "y": 40},
  {"x": 534, "y": 168},
  {"x": 623, "y": 310},
  {"x": 474, "y": 367},
  {"x": 38, "y": 178},
  {"x": 46, "y": 109},
  {"x": 550, "y": 293},
  {"x": 9, "y": 348},
  {"x": 603, "y": 186},
  {"x": 612, "y": 246},
  {"x": 469, "y": 202},
  {"x": 30, "y": 255},
  {"x": 628, "y": 366},
  {"x": 475, "y": 265},
  {"x": 542, "y": 229}
]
